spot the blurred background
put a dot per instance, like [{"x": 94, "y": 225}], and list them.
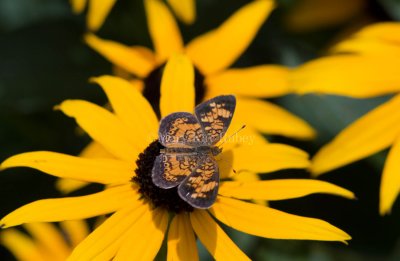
[{"x": 43, "y": 61}]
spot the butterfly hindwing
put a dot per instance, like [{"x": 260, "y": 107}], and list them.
[
  {"x": 215, "y": 116},
  {"x": 180, "y": 129},
  {"x": 200, "y": 188},
  {"x": 170, "y": 170}
]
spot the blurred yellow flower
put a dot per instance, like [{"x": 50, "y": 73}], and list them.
[
  {"x": 365, "y": 65},
  {"x": 46, "y": 242},
  {"x": 142, "y": 210},
  {"x": 98, "y": 10},
  {"x": 309, "y": 15},
  {"x": 212, "y": 53}
]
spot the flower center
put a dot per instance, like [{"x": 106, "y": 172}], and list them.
[
  {"x": 165, "y": 198},
  {"x": 152, "y": 86}
]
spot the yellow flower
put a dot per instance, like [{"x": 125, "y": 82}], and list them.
[
  {"x": 47, "y": 242},
  {"x": 99, "y": 9},
  {"x": 365, "y": 65},
  {"x": 142, "y": 210},
  {"x": 212, "y": 53}
]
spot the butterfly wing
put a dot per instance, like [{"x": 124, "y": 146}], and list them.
[
  {"x": 215, "y": 116},
  {"x": 180, "y": 130},
  {"x": 170, "y": 170},
  {"x": 200, "y": 188}
]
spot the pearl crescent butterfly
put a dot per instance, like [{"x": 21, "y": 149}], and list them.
[{"x": 188, "y": 158}]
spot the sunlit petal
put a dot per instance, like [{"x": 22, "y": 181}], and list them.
[
  {"x": 104, "y": 171},
  {"x": 104, "y": 242},
  {"x": 270, "y": 223},
  {"x": 181, "y": 239},
  {"x": 21, "y": 246},
  {"x": 280, "y": 189},
  {"x": 216, "y": 241},
  {"x": 220, "y": 47},
  {"x": 268, "y": 158},
  {"x": 348, "y": 75},
  {"x": 97, "y": 13},
  {"x": 126, "y": 57},
  {"x": 163, "y": 29},
  {"x": 51, "y": 210},
  {"x": 78, "y": 5},
  {"x": 49, "y": 238},
  {"x": 177, "y": 86},
  {"x": 270, "y": 118},
  {"x": 371, "y": 133},
  {"x": 185, "y": 10},
  {"x": 76, "y": 230},
  {"x": 390, "y": 184},
  {"x": 132, "y": 108},
  {"x": 103, "y": 127},
  {"x": 147, "y": 234},
  {"x": 258, "y": 81}
]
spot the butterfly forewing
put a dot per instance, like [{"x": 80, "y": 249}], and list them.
[
  {"x": 215, "y": 116},
  {"x": 200, "y": 188},
  {"x": 170, "y": 170},
  {"x": 181, "y": 129}
]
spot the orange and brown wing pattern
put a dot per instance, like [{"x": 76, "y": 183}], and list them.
[
  {"x": 179, "y": 130},
  {"x": 170, "y": 170},
  {"x": 200, "y": 188},
  {"x": 215, "y": 116}
]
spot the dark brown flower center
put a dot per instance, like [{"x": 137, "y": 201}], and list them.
[
  {"x": 152, "y": 84},
  {"x": 158, "y": 197}
]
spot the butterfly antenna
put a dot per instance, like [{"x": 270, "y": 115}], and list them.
[{"x": 241, "y": 128}]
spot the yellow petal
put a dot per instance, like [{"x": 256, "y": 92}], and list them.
[
  {"x": 280, "y": 189},
  {"x": 103, "y": 127},
  {"x": 220, "y": 47},
  {"x": 104, "y": 171},
  {"x": 368, "y": 46},
  {"x": 390, "y": 184},
  {"x": 163, "y": 29},
  {"x": 78, "y": 6},
  {"x": 21, "y": 246},
  {"x": 271, "y": 223},
  {"x": 76, "y": 230},
  {"x": 216, "y": 241},
  {"x": 181, "y": 239},
  {"x": 177, "y": 86},
  {"x": 258, "y": 81},
  {"x": 104, "y": 242},
  {"x": 126, "y": 57},
  {"x": 147, "y": 235},
  {"x": 50, "y": 239},
  {"x": 270, "y": 118},
  {"x": 268, "y": 158},
  {"x": 185, "y": 10},
  {"x": 51, "y": 210},
  {"x": 97, "y": 13},
  {"x": 132, "y": 108},
  {"x": 371, "y": 133},
  {"x": 66, "y": 186},
  {"x": 348, "y": 75},
  {"x": 245, "y": 176},
  {"x": 387, "y": 31},
  {"x": 95, "y": 151}
]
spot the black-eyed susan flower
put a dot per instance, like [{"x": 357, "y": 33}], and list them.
[
  {"x": 44, "y": 241},
  {"x": 365, "y": 65},
  {"x": 98, "y": 10},
  {"x": 211, "y": 53},
  {"x": 143, "y": 213}
]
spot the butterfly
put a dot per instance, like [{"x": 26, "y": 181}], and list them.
[{"x": 188, "y": 158}]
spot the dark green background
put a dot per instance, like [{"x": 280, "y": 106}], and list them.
[{"x": 44, "y": 61}]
